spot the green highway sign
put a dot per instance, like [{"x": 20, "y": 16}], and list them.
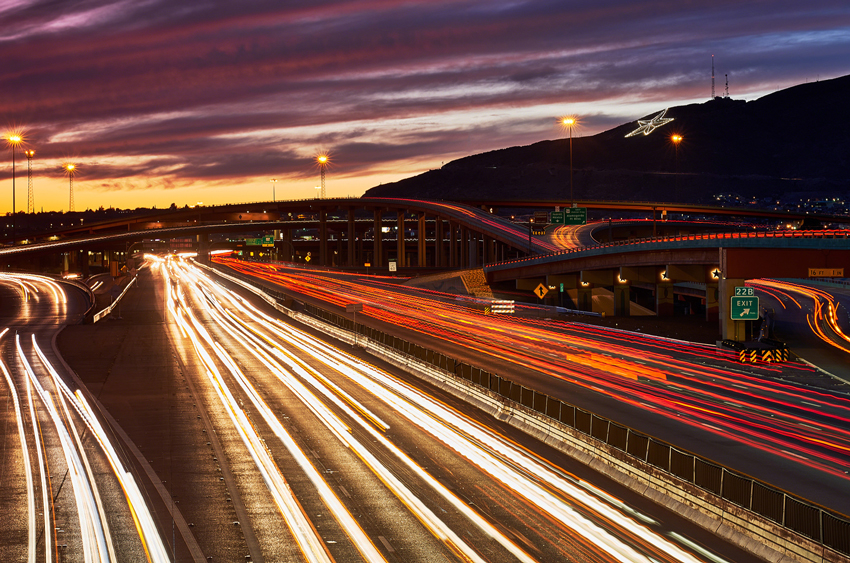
[
  {"x": 267, "y": 240},
  {"x": 575, "y": 216},
  {"x": 744, "y": 308},
  {"x": 556, "y": 217}
]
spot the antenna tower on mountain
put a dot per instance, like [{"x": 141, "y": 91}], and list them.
[{"x": 726, "y": 95}]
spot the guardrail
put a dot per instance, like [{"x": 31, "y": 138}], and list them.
[
  {"x": 631, "y": 244},
  {"x": 828, "y": 529},
  {"x": 102, "y": 314}
]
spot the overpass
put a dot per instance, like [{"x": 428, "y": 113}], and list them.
[{"x": 714, "y": 262}]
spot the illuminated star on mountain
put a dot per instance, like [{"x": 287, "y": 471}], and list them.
[{"x": 647, "y": 126}]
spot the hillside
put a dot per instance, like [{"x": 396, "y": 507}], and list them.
[{"x": 794, "y": 141}]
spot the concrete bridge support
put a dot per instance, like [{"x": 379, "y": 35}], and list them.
[
  {"x": 454, "y": 261},
  {"x": 401, "y": 259},
  {"x": 439, "y": 244},
  {"x": 351, "y": 259},
  {"x": 622, "y": 300},
  {"x": 324, "y": 259},
  {"x": 421, "y": 242},
  {"x": 729, "y": 329},
  {"x": 377, "y": 242}
]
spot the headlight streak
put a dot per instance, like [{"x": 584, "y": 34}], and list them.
[
  {"x": 92, "y": 533},
  {"x": 305, "y": 535},
  {"x": 96, "y": 540},
  {"x": 141, "y": 514},
  {"x": 425, "y": 515},
  {"x": 342, "y": 432},
  {"x": 769, "y": 401},
  {"x": 471, "y": 447},
  {"x": 31, "y": 542},
  {"x": 818, "y": 316}
]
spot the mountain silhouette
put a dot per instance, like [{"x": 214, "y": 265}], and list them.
[{"x": 788, "y": 144}]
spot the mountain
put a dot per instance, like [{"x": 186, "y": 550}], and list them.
[{"x": 791, "y": 142}]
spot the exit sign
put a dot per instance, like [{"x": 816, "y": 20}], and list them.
[{"x": 744, "y": 308}]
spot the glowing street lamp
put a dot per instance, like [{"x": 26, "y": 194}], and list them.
[
  {"x": 30, "y": 202},
  {"x": 675, "y": 138},
  {"x": 322, "y": 161},
  {"x": 568, "y": 122},
  {"x": 274, "y": 184},
  {"x": 70, "y": 169},
  {"x": 13, "y": 140}
]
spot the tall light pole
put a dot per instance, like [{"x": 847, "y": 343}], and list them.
[
  {"x": 569, "y": 122},
  {"x": 322, "y": 161},
  {"x": 14, "y": 140},
  {"x": 71, "y": 168},
  {"x": 676, "y": 139},
  {"x": 274, "y": 185},
  {"x": 30, "y": 200}
]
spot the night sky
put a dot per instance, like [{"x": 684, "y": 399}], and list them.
[{"x": 185, "y": 101}]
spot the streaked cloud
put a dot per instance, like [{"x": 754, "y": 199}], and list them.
[{"x": 202, "y": 100}]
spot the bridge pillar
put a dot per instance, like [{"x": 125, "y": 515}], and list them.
[
  {"x": 323, "y": 238},
  {"x": 729, "y": 329},
  {"x": 203, "y": 248},
  {"x": 488, "y": 249},
  {"x": 622, "y": 300},
  {"x": 352, "y": 234},
  {"x": 664, "y": 299},
  {"x": 464, "y": 247},
  {"x": 421, "y": 239},
  {"x": 453, "y": 254},
  {"x": 584, "y": 300},
  {"x": 377, "y": 240},
  {"x": 472, "y": 246},
  {"x": 288, "y": 248},
  {"x": 401, "y": 259},
  {"x": 439, "y": 244}
]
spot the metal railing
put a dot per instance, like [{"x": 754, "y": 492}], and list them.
[{"x": 830, "y": 529}]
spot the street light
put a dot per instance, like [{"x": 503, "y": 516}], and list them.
[
  {"x": 274, "y": 184},
  {"x": 322, "y": 160},
  {"x": 30, "y": 201},
  {"x": 676, "y": 139},
  {"x": 568, "y": 122},
  {"x": 13, "y": 140},
  {"x": 70, "y": 169}
]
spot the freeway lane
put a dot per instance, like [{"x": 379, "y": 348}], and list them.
[
  {"x": 75, "y": 502},
  {"x": 746, "y": 417},
  {"x": 381, "y": 471}
]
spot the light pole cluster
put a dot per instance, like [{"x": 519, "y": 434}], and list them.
[{"x": 14, "y": 140}]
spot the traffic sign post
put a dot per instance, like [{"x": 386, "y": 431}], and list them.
[
  {"x": 575, "y": 216},
  {"x": 745, "y": 305},
  {"x": 541, "y": 291}
]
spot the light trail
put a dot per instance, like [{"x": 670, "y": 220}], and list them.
[
  {"x": 544, "y": 489},
  {"x": 31, "y": 542},
  {"x": 676, "y": 379},
  {"x": 61, "y": 407}
]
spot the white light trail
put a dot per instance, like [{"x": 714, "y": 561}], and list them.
[{"x": 31, "y": 542}]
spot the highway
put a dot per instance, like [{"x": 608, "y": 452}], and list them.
[
  {"x": 214, "y": 431},
  {"x": 360, "y": 465},
  {"x": 757, "y": 419},
  {"x": 67, "y": 494}
]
